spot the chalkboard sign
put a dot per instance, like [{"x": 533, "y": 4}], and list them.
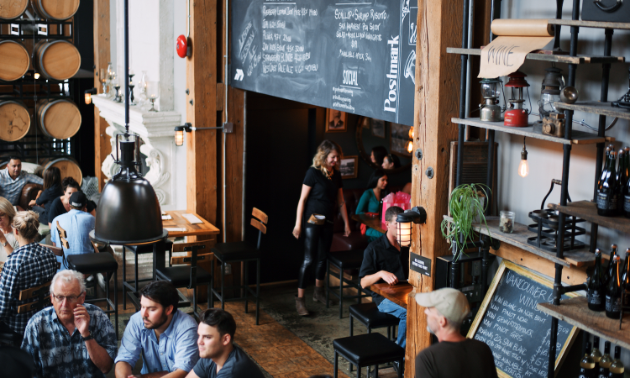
[
  {"x": 516, "y": 331},
  {"x": 357, "y": 56}
]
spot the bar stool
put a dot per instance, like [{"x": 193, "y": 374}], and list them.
[
  {"x": 342, "y": 261},
  {"x": 369, "y": 315},
  {"x": 138, "y": 250},
  {"x": 370, "y": 349},
  {"x": 243, "y": 252}
]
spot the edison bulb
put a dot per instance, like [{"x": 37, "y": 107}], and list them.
[
  {"x": 36, "y": 75},
  {"x": 411, "y": 132},
  {"x": 410, "y": 147},
  {"x": 523, "y": 168}
]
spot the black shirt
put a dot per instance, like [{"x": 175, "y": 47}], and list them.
[
  {"x": 465, "y": 359},
  {"x": 323, "y": 195},
  {"x": 46, "y": 198},
  {"x": 56, "y": 208},
  {"x": 382, "y": 255},
  {"x": 237, "y": 365}
]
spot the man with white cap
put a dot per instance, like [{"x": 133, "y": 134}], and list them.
[{"x": 445, "y": 310}]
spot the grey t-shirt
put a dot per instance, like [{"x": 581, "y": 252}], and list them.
[{"x": 238, "y": 365}]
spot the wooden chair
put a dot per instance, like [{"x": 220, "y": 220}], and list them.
[
  {"x": 243, "y": 252},
  {"x": 94, "y": 263},
  {"x": 186, "y": 273},
  {"x": 41, "y": 298}
]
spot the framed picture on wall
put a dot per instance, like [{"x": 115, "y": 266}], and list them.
[
  {"x": 399, "y": 139},
  {"x": 336, "y": 121},
  {"x": 378, "y": 127},
  {"x": 349, "y": 166}
]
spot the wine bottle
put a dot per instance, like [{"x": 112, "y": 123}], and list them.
[
  {"x": 625, "y": 279},
  {"x": 613, "y": 253},
  {"x": 607, "y": 188},
  {"x": 626, "y": 186},
  {"x": 616, "y": 368},
  {"x": 613, "y": 292},
  {"x": 596, "y": 355},
  {"x": 605, "y": 362},
  {"x": 596, "y": 285},
  {"x": 587, "y": 365},
  {"x": 622, "y": 179}
]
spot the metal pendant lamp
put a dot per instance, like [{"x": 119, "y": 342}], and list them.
[{"x": 128, "y": 211}]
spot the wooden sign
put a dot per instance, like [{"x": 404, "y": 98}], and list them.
[{"x": 516, "y": 331}]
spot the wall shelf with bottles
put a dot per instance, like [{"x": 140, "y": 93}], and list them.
[
  {"x": 575, "y": 312},
  {"x": 568, "y": 59},
  {"x": 596, "y": 107},
  {"x": 588, "y": 211}
]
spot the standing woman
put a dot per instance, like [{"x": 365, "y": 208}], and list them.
[
  {"x": 8, "y": 242},
  {"x": 370, "y": 201},
  {"x": 322, "y": 195}
]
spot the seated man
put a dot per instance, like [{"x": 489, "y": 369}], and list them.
[
  {"x": 384, "y": 261},
  {"x": 162, "y": 334},
  {"x": 445, "y": 310},
  {"x": 78, "y": 224},
  {"x": 220, "y": 358},
  {"x": 12, "y": 180},
  {"x": 70, "y": 339}
]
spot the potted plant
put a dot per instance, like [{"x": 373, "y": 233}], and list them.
[{"x": 467, "y": 206}]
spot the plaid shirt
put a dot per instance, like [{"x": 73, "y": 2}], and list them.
[
  {"x": 58, "y": 354},
  {"x": 12, "y": 189},
  {"x": 27, "y": 267}
]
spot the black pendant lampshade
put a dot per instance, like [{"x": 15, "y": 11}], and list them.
[{"x": 128, "y": 211}]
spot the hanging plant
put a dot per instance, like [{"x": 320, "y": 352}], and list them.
[{"x": 467, "y": 206}]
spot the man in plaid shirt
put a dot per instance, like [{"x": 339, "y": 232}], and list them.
[
  {"x": 12, "y": 180},
  {"x": 28, "y": 266}
]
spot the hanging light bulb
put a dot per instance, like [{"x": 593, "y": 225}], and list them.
[
  {"x": 36, "y": 75},
  {"x": 411, "y": 132},
  {"x": 410, "y": 146},
  {"x": 523, "y": 167}
]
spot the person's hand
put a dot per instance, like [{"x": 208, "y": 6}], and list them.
[
  {"x": 32, "y": 203},
  {"x": 388, "y": 277},
  {"x": 82, "y": 320},
  {"x": 134, "y": 376},
  {"x": 346, "y": 230},
  {"x": 297, "y": 231}
]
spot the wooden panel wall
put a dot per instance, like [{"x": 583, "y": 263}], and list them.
[
  {"x": 102, "y": 147},
  {"x": 436, "y": 101}
]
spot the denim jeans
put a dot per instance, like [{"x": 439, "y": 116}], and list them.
[{"x": 392, "y": 308}]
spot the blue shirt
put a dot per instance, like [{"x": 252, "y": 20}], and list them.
[
  {"x": 78, "y": 225},
  {"x": 12, "y": 189},
  {"x": 177, "y": 348},
  {"x": 57, "y": 354}
]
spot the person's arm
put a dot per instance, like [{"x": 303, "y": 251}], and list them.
[
  {"x": 8, "y": 289},
  {"x": 30, "y": 344},
  {"x": 129, "y": 350},
  {"x": 344, "y": 213},
  {"x": 371, "y": 279},
  {"x": 33, "y": 179},
  {"x": 306, "y": 190},
  {"x": 186, "y": 351},
  {"x": 370, "y": 272},
  {"x": 362, "y": 206},
  {"x": 98, "y": 354}
]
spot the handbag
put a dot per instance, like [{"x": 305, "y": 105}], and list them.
[{"x": 606, "y": 10}]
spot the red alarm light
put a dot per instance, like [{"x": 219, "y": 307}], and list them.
[{"x": 181, "y": 46}]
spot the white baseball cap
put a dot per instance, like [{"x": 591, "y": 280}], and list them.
[{"x": 451, "y": 303}]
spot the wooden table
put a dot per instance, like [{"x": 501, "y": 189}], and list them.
[
  {"x": 372, "y": 222},
  {"x": 178, "y": 221},
  {"x": 398, "y": 293}
]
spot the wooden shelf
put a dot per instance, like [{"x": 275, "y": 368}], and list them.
[
  {"x": 575, "y": 312},
  {"x": 588, "y": 211},
  {"x": 596, "y": 107},
  {"x": 580, "y": 59},
  {"x": 579, "y": 137},
  {"x": 591, "y": 24},
  {"x": 519, "y": 239}
]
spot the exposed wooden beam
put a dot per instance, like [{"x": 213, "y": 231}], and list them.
[
  {"x": 102, "y": 147},
  {"x": 436, "y": 99}
]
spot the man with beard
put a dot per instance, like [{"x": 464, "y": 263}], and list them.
[
  {"x": 162, "y": 334},
  {"x": 445, "y": 310},
  {"x": 220, "y": 358}
]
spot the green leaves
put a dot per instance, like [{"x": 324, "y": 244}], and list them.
[{"x": 467, "y": 204}]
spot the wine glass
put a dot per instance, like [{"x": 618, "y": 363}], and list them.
[
  {"x": 103, "y": 79},
  {"x": 141, "y": 89},
  {"x": 153, "y": 93}
]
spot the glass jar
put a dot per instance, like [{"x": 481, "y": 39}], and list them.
[{"x": 506, "y": 222}]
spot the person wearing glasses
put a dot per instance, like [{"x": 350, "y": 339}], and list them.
[
  {"x": 8, "y": 242},
  {"x": 71, "y": 339},
  {"x": 29, "y": 265}
]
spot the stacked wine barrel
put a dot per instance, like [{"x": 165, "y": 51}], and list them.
[{"x": 54, "y": 59}]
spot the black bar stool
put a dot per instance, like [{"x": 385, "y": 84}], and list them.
[
  {"x": 369, "y": 315},
  {"x": 342, "y": 261},
  {"x": 133, "y": 286},
  {"x": 366, "y": 350}
]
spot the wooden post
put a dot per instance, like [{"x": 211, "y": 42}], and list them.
[
  {"x": 102, "y": 147},
  {"x": 436, "y": 101}
]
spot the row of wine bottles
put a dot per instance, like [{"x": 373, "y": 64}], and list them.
[
  {"x": 596, "y": 365},
  {"x": 607, "y": 287},
  {"x": 613, "y": 188}
]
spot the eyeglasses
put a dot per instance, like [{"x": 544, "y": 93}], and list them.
[{"x": 69, "y": 298}]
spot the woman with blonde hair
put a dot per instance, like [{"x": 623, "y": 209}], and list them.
[
  {"x": 8, "y": 242},
  {"x": 322, "y": 195}
]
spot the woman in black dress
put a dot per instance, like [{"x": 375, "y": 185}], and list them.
[{"x": 322, "y": 195}]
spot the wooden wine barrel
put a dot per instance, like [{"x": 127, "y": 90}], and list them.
[
  {"x": 10, "y": 9},
  {"x": 15, "y": 120},
  {"x": 56, "y": 9},
  {"x": 58, "y": 60},
  {"x": 67, "y": 166},
  {"x": 59, "y": 119},
  {"x": 14, "y": 60}
]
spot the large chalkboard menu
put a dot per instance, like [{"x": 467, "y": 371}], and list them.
[
  {"x": 516, "y": 331},
  {"x": 355, "y": 56}
]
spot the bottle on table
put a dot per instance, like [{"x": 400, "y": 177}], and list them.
[
  {"x": 616, "y": 368},
  {"x": 587, "y": 365},
  {"x": 596, "y": 355},
  {"x": 622, "y": 179},
  {"x": 605, "y": 362},
  {"x": 613, "y": 253},
  {"x": 613, "y": 292},
  {"x": 597, "y": 285},
  {"x": 607, "y": 188}
]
